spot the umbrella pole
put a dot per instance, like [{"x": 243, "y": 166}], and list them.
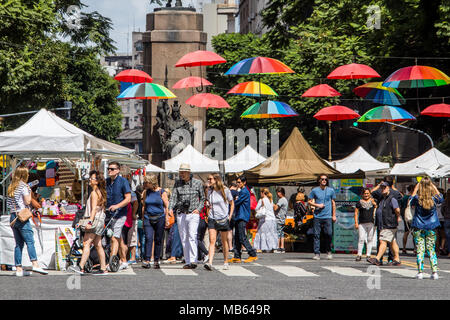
[{"x": 329, "y": 140}]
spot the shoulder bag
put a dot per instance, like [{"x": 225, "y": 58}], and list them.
[
  {"x": 261, "y": 213},
  {"x": 23, "y": 215},
  {"x": 408, "y": 213},
  {"x": 222, "y": 224}
]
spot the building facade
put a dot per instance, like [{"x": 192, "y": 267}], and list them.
[{"x": 250, "y": 20}]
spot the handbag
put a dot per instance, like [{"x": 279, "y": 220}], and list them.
[
  {"x": 408, "y": 213},
  {"x": 83, "y": 223},
  {"x": 222, "y": 224},
  {"x": 261, "y": 213},
  {"x": 24, "y": 215},
  {"x": 99, "y": 220}
]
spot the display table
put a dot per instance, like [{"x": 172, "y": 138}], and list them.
[{"x": 45, "y": 252}]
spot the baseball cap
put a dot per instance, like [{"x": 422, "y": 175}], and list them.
[{"x": 384, "y": 184}]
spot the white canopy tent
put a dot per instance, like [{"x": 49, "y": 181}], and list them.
[
  {"x": 245, "y": 159},
  {"x": 46, "y": 134},
  {"x": 152, "y": 168},
  {"x": 433, "y": 163},
  {"x": 359, "y": 159},
  {"x": 199, "y": 163}
]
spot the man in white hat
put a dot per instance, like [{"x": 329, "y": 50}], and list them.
[{"x": 187, "y": 201}]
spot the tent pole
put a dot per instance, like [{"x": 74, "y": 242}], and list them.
[{"x": 329, "y": 140}]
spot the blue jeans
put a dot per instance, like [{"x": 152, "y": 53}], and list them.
[
  {"x": 240, "y": 239},
  {"x": 177, "y": 247},
  {"x": 327, "y": 226},
  {"x": 154, "y": 231},
  {"x": 23, "y": 233},
  {"x": 447, "y": 232},
  {"x": 141, "y": 238}
]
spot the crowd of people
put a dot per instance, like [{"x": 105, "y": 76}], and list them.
[{"x": 153, "y": 222}]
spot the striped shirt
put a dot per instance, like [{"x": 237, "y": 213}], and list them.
[{"x": 17, "y": 203}]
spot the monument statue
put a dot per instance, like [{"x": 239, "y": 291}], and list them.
[
  {"x": 178, "y": 3},
  {"x": 169, "y": 123}
]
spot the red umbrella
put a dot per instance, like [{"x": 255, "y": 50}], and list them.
[
  {"x": 335, "y": 113},
  {"x": 191, "y": 82},
  {"x": 207, "y": 100},
  {"x": 353, "y": 71},
  {"x": 437, "y": 110},
  {"x": 133, "y": 75},
  {"x": 321, "y": 90},
  {"x": 200, "y": 58}
]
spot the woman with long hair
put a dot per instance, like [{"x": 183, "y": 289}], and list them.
[
  {"x": 155, "y": 212},
  {"x": 425, "y": 197},
  {"x": 446, "y": 214},
  {"x": 95, "y": 210},
  {"x": 364, "y": 222},
  {"x": 19, "y": 198},
  {"x": 221, "y": 207},
  {"x": 266, "y": 238}
]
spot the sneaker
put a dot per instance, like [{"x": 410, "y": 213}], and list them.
[
  {"x": 193, "y": 265},
  {"x": 434, "y": 276},
  {"x": 277, "y": 250},
  {"x": 77, "y": 269},
  {"x": 156, "y": 265},
  {"x": 123, "y": 266},
  {"x": 283, "y": 250},
  {"x": 329, "y": 256},
  {"x": 206, "y": 259},
  {"x": 208, "y": 267},
  {"x": 419, "y": 276},
  {"x": 358, "y": 258},
  {"x": 226, "y": 266},
  {"x": 100, "y": 273},
  {"x": 250, "y": 259},
  {"x": 374, "y": 261},
  {"x": 316, "y": 257},
  {"x": 40, "y": 270},
  {"x": 187, "y": 266},
  {"x": 132, "y": 262},
  {"x": 146, "y": 265},
  {"x": 234, "y": 260},
  {"x": 23, "y": 273}
]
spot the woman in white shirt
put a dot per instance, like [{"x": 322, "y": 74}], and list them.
[
  {"x": 266, "y": 238},
  {"x": 221, "y": 206},
  {"x": 19, "y": 198}
]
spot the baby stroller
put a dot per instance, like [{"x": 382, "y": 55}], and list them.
[{"x": 93, "y": 262}]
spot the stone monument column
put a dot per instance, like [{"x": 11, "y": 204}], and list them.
[{"x": 171, "y": 33}]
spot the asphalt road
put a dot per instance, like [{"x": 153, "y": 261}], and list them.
[{"x": 289, "y": 276}]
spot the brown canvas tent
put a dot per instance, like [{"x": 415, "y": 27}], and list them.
[{"x": 295, "y": 162}]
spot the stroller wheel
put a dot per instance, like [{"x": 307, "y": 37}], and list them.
[
  {"x": 114, "y": 263},
  {"x": 88, "y": 266}
]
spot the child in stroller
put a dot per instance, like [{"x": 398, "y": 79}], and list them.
[{"x": 93, "y": 262}]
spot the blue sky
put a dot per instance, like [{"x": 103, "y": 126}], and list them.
[{"x": 125, "y": 14}]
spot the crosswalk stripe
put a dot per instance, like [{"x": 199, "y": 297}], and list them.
[
  {"x": 410, "y": 273},
  {"x": 178, "y": 272},
  {"x": 237, "y": 271},
  {"x": 291, "y": 271},
  {"x": 347, "y": 271}
]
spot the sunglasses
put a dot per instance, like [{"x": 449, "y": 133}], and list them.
[
  {"x": 112, "y": 169},
  {"x": 321, "y": 179}
]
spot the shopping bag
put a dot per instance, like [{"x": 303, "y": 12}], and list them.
[{"x": 62, "y": 249}]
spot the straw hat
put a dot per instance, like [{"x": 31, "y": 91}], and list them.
[{"x": 185, "y": 167}]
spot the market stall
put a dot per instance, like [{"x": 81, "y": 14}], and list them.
[
  {"x": 245, "y": 159},
  {"x": 360, "y": 159},
  {"x": 430, "y": 163},
  {"x": 199, "y": 162},
  {"x": 59, "y": 157}
]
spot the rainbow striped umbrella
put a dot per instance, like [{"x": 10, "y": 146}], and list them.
[
  {"x": 377, "y": 93},
  {"x": 146, "y": 91},
  {"x": 259, "y": 65},
  {"x": 416, "y": 77},
  {"x": 252, "y": 88},
  {"x": 386, "y": 114},
  {"x": 269, "y": 109}
]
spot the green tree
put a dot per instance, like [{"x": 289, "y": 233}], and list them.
[{"x": 39, "y": 70}]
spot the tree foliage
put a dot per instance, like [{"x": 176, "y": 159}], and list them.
[
  {"x": 44, "y": 62},
  {"x": 314, "y": 37}
]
